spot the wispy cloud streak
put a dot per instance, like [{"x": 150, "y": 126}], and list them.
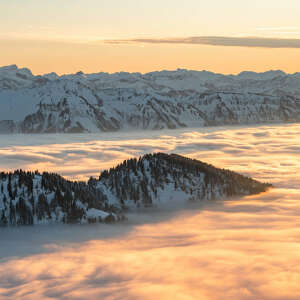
[{"x": 260, "y": 42}]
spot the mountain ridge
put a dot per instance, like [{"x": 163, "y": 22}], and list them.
[
  {"x": 103, "y": 102},
  {"x": 15, "y": 67},
  {"x": 28, "y": 198}
]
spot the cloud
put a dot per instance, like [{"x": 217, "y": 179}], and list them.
[
  {"x": 225, "y": 147},
  {"x": 278, "y": 29},
  {"x": 259, "y": 42},
  {"x": 183, "y": 257},
  {"x": 243, "y": 249}
]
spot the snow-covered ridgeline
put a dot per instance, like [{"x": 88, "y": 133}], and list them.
[{"x": 167, "y": 99}]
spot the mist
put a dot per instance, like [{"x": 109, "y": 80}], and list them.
[{"x": 243, "y": 248}]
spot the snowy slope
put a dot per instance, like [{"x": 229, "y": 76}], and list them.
[
  {"x": 167, "y": 99},
  {"x": 28, "y": 198}
]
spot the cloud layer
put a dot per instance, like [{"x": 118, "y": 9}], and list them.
[
  {"x": 245, "y": 249},
  {"x": 82, "y": 156},
  {"x": 260, "y": 42},
  {"x": 242, "y": 249}
]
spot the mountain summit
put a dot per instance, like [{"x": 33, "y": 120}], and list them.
[{"x": 104, "y": 102}]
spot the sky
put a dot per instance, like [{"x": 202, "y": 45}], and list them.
[{"x": 138, "y": 35}]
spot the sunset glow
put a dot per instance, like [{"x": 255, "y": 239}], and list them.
[
  {"x": 68, "y": 36},
  {"x": 149, "y": 150}
]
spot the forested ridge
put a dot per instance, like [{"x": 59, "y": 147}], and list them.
[
  {"x": 142, "y": 179},
  {"x": 31, "y": 197},
  {"x": 28, "y": 198}
]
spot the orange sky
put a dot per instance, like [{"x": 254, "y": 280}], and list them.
[
  {"x": 43, "y": 57},
  {"x": 67, "y": 36}
]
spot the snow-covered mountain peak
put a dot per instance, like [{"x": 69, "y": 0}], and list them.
[
  {"x": 261, "y": 76},
  {"x": 11, "y": 77},
  {"x": 164, "y": 99},
  {"x": 51, "y": 76},
  {"x": 8, "y": 68}
]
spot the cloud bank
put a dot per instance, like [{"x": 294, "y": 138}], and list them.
[
  {"x": 245, "y": 249},
  {"x": 79, "y": 157},
  {"x": 259, "y": 42}
]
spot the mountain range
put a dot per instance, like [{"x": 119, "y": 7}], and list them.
[
  {"x": 28, "y": 198},
  {"x": 103, "y": 102}
]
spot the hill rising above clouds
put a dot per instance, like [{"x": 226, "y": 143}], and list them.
[{"x": 28, "y": 198}]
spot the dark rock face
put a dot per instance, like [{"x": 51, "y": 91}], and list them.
[{"x": 202, "y": 110}]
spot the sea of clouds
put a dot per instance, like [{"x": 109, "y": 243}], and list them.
[
  {"x": 243, "y": 249},
  {"x": 260, "y": 151}
]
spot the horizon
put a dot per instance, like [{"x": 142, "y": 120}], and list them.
[
  {"x": 216, "y": 59},
  {"x": 153, "y": 71}
]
